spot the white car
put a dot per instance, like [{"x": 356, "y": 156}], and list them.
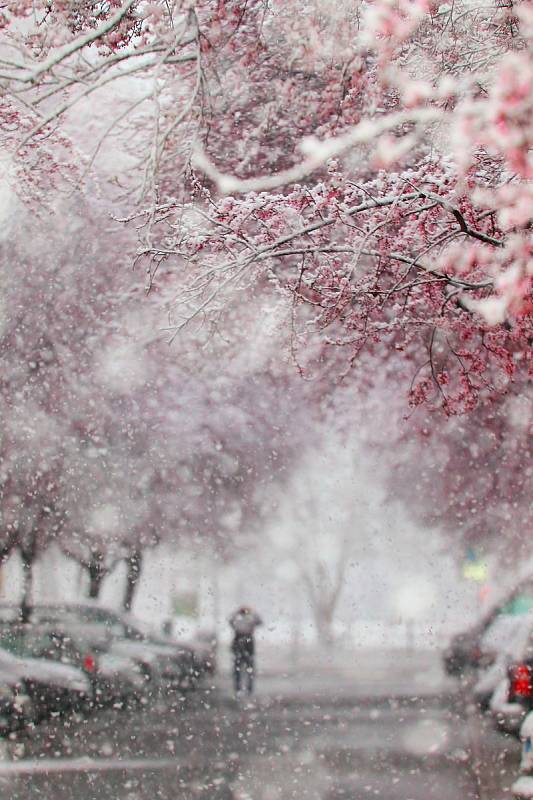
[
  {"x": 508, "y": 714},
  {"x": 512, "y": 698},
  {"x": 502, "y": 643},
  {"x": 523, "y": 786},
  {"x": 51, "y": 686}
]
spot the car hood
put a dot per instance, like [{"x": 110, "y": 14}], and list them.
[
  {"x": 170, "y": 649},
  {"x": 135, "y": 650},
  {"x": 119, "y": 665},
  {"x": 49, "y": 672}
]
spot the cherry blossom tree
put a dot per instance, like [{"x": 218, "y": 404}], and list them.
[
  {"x": 185, "y": 460},
  {"x": 473, "y": 481},
  {"x": 405, "y": 224},
  {"x": 365, "y": 166},
  {"x": 113, "y": 441},
  {"x": 467, "y": 476},
  {"x": 49, "y": 305},
  {"x": 30, "y": 476},
  {"x": 404, "y": 216}
]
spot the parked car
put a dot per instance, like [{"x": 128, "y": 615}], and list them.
[
  {"x": 165, "y": 665},
  {"x": 205, "y": 646},
  {"x": 52, "y": 687},
  {"x": 464, "y": 652},
  {"x": 16, "y": 709},
  {"x": 513, "y": 696},
  {"x": 499, "y": 643},
  {"x": 203, "y": 642},
  {"x": 523, "y": 786},
  {"x": 113, "y": 678}
]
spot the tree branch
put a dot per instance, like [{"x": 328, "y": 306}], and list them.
[
  {"x": 78, "y": 44},
  {"x": 319, "y": 153}
]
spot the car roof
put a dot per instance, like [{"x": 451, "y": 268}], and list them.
[
  {"x": 88, "y": 604},
  {"x": 73, "y": 628},
  {"x": 12, "y": 611}
]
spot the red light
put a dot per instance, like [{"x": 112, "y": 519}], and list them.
[
  {"x": 521, "y": 681},
  {"x": 89, "y": 664}
]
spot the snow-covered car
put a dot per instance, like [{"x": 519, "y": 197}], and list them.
[
  {"x": 113, "y": 678},
  {"x": 466, "y": 651},
  {"x": 502, "y": 641},
  {"x": 513, "y": 695},
  {"x": 507, "y": 711},
  {"x": 523, "y": 786},
  {"x": 165, "y": 665},
  {"x": 15, "y": 703},
  {"x": 52, "y": 687}
]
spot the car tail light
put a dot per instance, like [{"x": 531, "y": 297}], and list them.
[
  {"x": 89, "y": 663},
  {"x": 521, "y": 685}
]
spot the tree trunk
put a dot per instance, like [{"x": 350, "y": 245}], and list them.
[
  {"x": 97, "y": 573},
  {"x": 133, "y": 565},
  {"x": 28, "y": 558},
  {"x": 323, "y": 615},
  {"x": 323, "y": 592}
]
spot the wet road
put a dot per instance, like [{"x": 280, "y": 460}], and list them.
[{"x": 207, "y": 746}]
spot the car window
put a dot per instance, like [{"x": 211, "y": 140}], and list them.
[
  {"x": 99, "y": 616},
  {"x": 47, "y": 644},
  {"x": 11, "y": 638}
]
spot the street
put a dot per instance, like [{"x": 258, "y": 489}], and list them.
[{"x": 314, "y": 735}]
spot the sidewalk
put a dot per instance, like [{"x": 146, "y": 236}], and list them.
[{"x": 355, "y": 676}]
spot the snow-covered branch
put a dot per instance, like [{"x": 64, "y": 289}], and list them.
[{"x": 318, "y": 153}]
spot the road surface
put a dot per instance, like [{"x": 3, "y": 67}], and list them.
[{"x": 321, "y": 735}]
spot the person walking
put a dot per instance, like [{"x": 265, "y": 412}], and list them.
[{"x": 244, "y": 622}]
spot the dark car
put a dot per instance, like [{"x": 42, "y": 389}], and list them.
[
  {"x": 16, "y": 709},
  {"x": 463, "y": 652},
  {"x": 114, "y": 679},
  {"x": 203, "y": 643},
  {"x": 205, "y": 647},
  {"x": 52, "y": 687}
]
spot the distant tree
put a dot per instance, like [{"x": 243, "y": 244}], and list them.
[
  {"x": 144, "y": 443},
  {"x": 467, "y": 475},
  {"x": 474, "y": 481},
  {"x": 321, "y": 525},
  {"x": 30, "y": 483}
]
